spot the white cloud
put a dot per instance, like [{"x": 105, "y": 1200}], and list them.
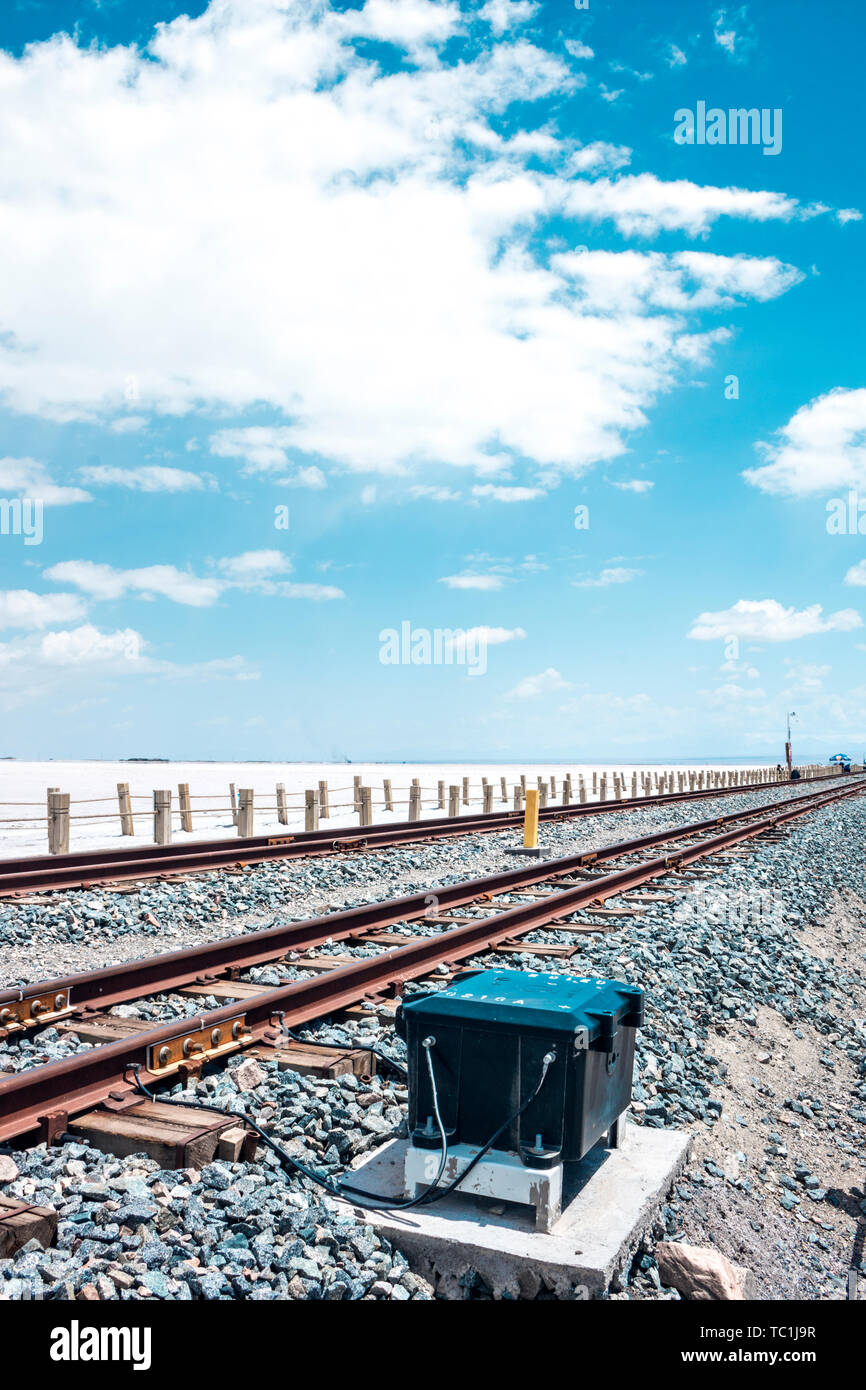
[
  {"x": 849, "y": 215},
  {"x": 147, "y": 478},
  {"x": 597, "y": 156},
  {"x": 822, "y": 447},
  {"x": 628, "y": 281},
  {"x": 807, "y": 678},
  {"x": 475, "y": 637},
  {"x": 614, "y": 575},
  {"x": 24, "y": 609},
  {"x": 427, "y": 492},
  {"x": 128, "y": 424},
  {"x": 314, "y": 194},
  {"x": 675, "y": 57},
  {"x": 472, "y": 581},
  {"x": 507, "y": 494},
  {"x": 410, "y": 24},
  {"x": 634, "y": 485},
  {"x": 543, "y": 684},
  {"x": 262, "y": 447},
  {"x": 255, "y": 565},
  {"x": 644, "y": 205},
  {"x": 255, "y": 571},
  {"x": 319, "y": 593},
  {"x": 578, "y": 49},
  {"x": 265, "y": 449},
  {"x": 27, "y": 478},
  {"x": 732, "y": 32},
  {"x": 104, "y": 582},
  {"x": 740, "y": 668},
  {"x": 505, "y": 14},
  {"x": 857, "y": 574},
  {"x": 766, "y": 620},
  {"x": 88, "y": 646},
  {"x": 731, "y": 692},
  {"x": 86, "y": 654},
  {"x": 310, "y": 476}
]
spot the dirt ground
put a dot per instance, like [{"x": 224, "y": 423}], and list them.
[{"x": 790, "y": 1253}]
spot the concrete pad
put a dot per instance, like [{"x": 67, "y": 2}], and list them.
[{"x": 608, "y": 1201}]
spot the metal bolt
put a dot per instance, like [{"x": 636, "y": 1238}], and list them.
[
  {"x": 190, "y": 1046},
  {"x": 216, "y": 1037},
  {"x": 60, "y": 1001},
  {"x": 164, "y": 1056}
]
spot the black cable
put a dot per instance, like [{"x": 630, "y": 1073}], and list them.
[
  {"x": 433, "y": 1193},
  {"x": 547, "y": 1060},
  {"x": 364, "y": 1047},
  {"x": 377, "y": 1204}
]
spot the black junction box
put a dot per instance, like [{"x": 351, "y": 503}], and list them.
[{"x": 492, "y": 1029}]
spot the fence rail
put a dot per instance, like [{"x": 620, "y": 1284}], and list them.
[{"x": 315, "y": 804}]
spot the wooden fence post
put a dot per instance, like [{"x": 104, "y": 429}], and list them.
[
  {"x": 162, "y": 817},
  {"x": 488, "y": 797},
  {"x": 581, "y": 789},
  {"x": 366, "y": 807},
  {"x": 553, "y": 788},
  {"x": 465, "y": 791},
  {"x": 324, "y": 804},
  {"x": 185, "y": 805},
  {"x": 518, "y": 796},
  {"x": 440, "y": 791},
  {"x": 124, "y": 802},
  {"x": 356, "y": 792},
  {"x": 245, "y": 811},
  {"x": 453, "y": 800},
  {"x": 389, "y": 795},
  {"x": 414, "y": 802},
  {"x": 234, "y": 801},
  {"x": 282, "y": 809},
  {"x": 311, "y": 810},
  {"x": 503, "y": 789},
  {"x": 566, "y": 790},
  {"x": 58, "y": 821}
]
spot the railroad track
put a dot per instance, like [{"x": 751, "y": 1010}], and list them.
[
  {"x": 569, "y": 894},
  {"x": 93, "y": 868}
]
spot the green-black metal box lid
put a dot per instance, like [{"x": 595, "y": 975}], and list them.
[{"x": 534, "y": 999}]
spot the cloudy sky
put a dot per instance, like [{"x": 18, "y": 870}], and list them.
[{"x": 318, "y": 319}]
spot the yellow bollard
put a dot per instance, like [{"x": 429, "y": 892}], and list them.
[{"x": 530, "y": 819}]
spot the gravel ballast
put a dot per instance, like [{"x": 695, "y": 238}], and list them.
[{"x": 754, "y": 1039}]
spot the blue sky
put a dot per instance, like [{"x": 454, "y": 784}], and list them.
[{"x": 429, "y": 277}]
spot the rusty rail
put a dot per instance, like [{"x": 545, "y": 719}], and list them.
[
  {"x": 90, "y": 868},
  {"x": 41, "y": 1100},
  {"x": 117, "y": 984}
]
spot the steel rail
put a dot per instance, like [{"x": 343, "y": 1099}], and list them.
[
  {"x": 89, "y": 868},
  {"x": 42, "y": 1099},
  {"x": 117, "y": 984}
]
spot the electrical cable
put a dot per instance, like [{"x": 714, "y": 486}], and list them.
[
  {"x": 376, "y": 1051},
  {"x": 377, "y": 1203},
  {"x": 433, "y": 1193}
]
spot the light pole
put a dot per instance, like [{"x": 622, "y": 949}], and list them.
[{"x": 788, "y": 758}]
